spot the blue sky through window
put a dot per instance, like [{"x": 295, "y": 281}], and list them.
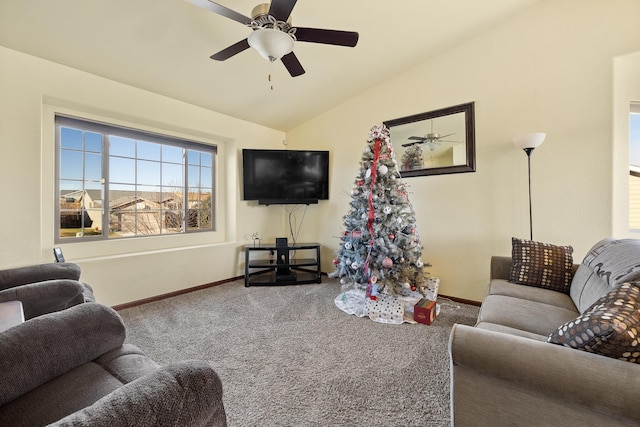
[{"x": 634, "y": 139}]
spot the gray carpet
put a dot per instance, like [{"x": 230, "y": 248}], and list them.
[{"x": 288, "y": 356}]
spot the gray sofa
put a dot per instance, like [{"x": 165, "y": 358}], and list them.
[
  {"x": 72, "y": 368},
  {"x": 505, "y": 372}
]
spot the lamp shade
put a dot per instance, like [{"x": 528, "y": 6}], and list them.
[
  {"x": 529, "y": 140},
  {"x": 272, "y": 44}
]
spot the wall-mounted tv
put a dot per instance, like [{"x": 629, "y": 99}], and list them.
[{"x": 285, "y": 176}]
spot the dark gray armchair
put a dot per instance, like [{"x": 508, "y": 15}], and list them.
[
  {"x": 44, "y": 288},
  {"x": 73, "y": 368}
]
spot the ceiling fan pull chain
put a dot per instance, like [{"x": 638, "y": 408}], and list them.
[{"x": 270, "y": 74}]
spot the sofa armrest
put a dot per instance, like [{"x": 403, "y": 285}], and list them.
[
  {"x": 45, "y": 297},
  {"x": 187, "y": 393},
  {"x": 45, "y": 347},
  {"x": 500, "y": 267},
  {"x": 517, "y": 366},
  {"x": 38, "y": 273}
]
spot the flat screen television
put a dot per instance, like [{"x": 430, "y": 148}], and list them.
[{"x": 285, "y": 176}]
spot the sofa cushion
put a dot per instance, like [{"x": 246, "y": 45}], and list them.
[
  {"x": 541, "y": 265},
  {"x": 545, "y": 296},
  {"x": 45, "y": 347},
  {"x": 63, "y": 395},
  {"x": 611, "y": 327},
  {"x": 519, "y": 313},
  {"x": 608, "y": 263},
  {"x": 586, "y": 288},
  {"x": 510, "y": 331},
  {"x": 615, "y": 261}
]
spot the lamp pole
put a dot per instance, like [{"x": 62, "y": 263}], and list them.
[
  {"x": 528, "y": 143},
  {"x": 529, "y": 150}
]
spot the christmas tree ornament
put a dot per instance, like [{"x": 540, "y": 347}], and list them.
[
  {"x": 387, "y": 262},
  {"x": 382, "y": 170}
]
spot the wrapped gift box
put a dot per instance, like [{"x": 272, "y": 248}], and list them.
[
  {"x": 431, "y": 290},
  {"x": 425, "y": 311}
]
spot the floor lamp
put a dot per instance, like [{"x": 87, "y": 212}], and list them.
[{"x": 528, "y": 143}]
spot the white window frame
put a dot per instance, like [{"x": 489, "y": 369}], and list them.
[
  {"x": 99, "y": 250},
  {"x": 103, "y": 150}
]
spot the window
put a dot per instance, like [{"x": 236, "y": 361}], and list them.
[
  {"x": 634, "y": 167},
  {"x": 115, "y": 182}
]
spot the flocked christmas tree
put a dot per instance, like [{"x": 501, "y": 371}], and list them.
[
  {"x": 413, "y": 158},
  {"x": 380, "y": 247}
]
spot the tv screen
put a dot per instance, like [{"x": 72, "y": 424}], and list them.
[{"x": 285, "y": 176}]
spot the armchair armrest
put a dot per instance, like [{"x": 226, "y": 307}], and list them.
[
  {"x": 45, "y": 297},
  {"x": 45, "y": 347},
  {"x": 38, "y": 273},
  {"x": 187, "y": 393},
  {"x": 495, "y": 371}
]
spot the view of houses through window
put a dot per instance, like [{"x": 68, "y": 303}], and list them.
[
  {"x": 634, "y": 167},
  {"x": 115, "y": 182}
]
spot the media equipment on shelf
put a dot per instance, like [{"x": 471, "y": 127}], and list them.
[
  {"x": 285, "y": 176},
  {"x": 283, "y": 271}
]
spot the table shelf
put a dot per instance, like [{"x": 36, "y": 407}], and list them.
[{"x": 281, "y": 268}]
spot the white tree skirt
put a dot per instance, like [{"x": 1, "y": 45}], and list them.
[{"x": 394, "y": 309}]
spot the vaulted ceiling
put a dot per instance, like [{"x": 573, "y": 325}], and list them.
[{"x": 164, "y": 46}]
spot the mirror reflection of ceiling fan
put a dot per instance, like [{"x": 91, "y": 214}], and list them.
[
  {"x": 432, "y": 140},
  {"x": 273, "y": 35}
]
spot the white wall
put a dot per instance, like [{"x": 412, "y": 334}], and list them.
[
  {"x": 31, "y": 91},
  {"x": 548, "y": 69}
]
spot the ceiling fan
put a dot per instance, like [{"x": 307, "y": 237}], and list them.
[
  {"x": 273, "y": 36},
  {"x": 432, "y": 140}
]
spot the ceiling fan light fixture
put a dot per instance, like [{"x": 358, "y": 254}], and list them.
[{"x": 271, "y": 43}]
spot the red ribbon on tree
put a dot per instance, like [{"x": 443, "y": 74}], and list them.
[{"x": 374, "y": 174}]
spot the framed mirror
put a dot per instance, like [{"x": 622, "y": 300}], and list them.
[{"x": 436, "y": 142}]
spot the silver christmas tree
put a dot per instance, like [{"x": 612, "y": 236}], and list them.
[
  {"x": 380, "y": 247},
  {"x": 413, "y": 158}
]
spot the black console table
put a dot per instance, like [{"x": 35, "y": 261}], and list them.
[{"x": 282, "y": 267}]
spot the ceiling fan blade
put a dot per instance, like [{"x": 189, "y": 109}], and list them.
[
  {"x": 444, "y": 136},
  {"x": 409, "y": 144},
  {"x": 292, "y": 64},
  {"x": 418, "y": 138},
  {"x": 232, "y": 50},
  {"x": 334, "y": 37},
  {"x": 281, "y": 9},
  {"x": 221, "y": 10}
]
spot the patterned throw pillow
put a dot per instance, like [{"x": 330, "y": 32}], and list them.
[
  {"x": 610, "y": 327},
  {"x": 541, "y": 265}
]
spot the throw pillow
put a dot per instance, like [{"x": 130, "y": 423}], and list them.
[
  {"x": 610, "y": 327},
  {"x": 542, "y": 265}
]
